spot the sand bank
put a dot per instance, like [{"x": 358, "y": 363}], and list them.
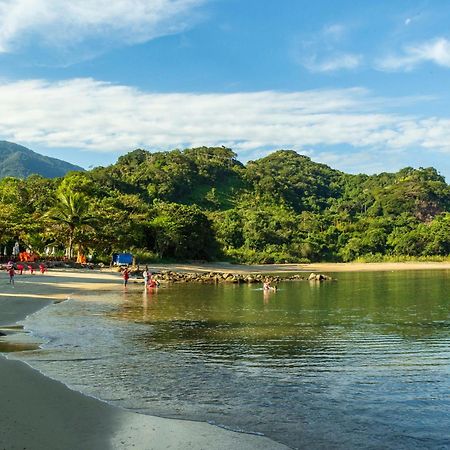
[
  {"x": 314, "y": 267},
  {"x": 39, "y": 413}
]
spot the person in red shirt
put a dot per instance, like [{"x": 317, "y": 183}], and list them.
[
  {"x": 20, "y": 268},
  {"x": 11, "y": 275},
  {"x": 42, "y": 268},
  {"x": 126, "y": 276}
]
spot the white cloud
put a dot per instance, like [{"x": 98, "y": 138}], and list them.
[
  {"x": 66, "y": 24},
  {"x": 322, "y": 52},
  {"x": 97, "y": 116},
  {"x": 335, "y": 62},
  {"x": 436, "y": 51}
]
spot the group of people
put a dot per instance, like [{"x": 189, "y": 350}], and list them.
[
  {"x": 149, "y": 282},
  {"x": 20, "y": 268}
]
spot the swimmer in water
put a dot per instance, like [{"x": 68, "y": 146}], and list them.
[{"x": 267, "y": 286}]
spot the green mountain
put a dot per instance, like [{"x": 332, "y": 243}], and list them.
[
  {"x": 284, "y": 207},
  {"x": 20, "y": 162}
]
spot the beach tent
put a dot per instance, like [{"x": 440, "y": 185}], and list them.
[{"x": 122, "y": 259}]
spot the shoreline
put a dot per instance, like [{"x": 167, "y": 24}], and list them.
[{"x": 41, "y": 413}]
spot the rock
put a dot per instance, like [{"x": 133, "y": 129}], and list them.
[{"x": 318, "y": 277}]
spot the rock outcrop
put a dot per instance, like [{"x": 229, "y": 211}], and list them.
[{"x": 169, "y": 276}]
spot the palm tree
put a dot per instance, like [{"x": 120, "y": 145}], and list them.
[{"x": 72, "y": 210}]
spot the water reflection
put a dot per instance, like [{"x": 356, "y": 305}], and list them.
[{"x": 298, "y": 309}]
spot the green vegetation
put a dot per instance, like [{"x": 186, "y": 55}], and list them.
[{"x": 203, "y": 204}]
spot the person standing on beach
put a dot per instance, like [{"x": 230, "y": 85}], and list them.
[
  {"x": 145, "y": 274},
  {"x": 126, "y": 276},
  {"x": 11, "y": 275}
]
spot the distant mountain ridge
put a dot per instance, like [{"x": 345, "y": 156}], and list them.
[{"x": 20, "y": 162}]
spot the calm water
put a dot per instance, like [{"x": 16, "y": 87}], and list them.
[{"x": 358, "y": 363}]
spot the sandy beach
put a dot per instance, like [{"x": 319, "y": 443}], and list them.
[{"x": 42, "y": 414}]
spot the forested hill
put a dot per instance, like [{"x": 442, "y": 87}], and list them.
[
  {"x": 18, "y": 161},
  {"x": 202, "y": 203}
]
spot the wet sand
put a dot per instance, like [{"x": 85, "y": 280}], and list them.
[{"x": 39, "y": 413}]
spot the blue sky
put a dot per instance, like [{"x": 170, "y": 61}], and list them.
[{"x": 362, "y": 86}]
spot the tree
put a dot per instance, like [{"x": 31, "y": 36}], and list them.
[
  {"x": 182, "y": 231},
  {"x": 73, "y": 213}
]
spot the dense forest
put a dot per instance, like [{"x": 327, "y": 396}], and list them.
[{"x": 203, "y": 204}]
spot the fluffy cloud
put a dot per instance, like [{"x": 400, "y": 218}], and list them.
[
  {"x": 93, "y": 115},
  {"x": 436, "y": 51},
  {"x": 68, "y": 23}
]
